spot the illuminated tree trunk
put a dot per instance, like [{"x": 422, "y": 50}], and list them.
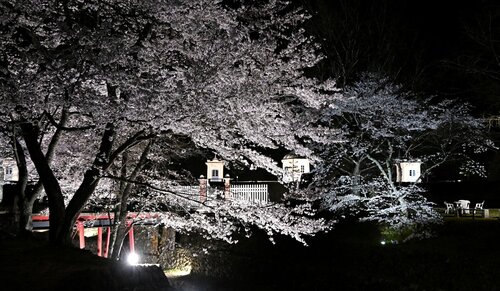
[
  {"x": 21, "y": 209},
  {"x": 356, "y": 179},
  {"x": 87, "y": 187},
  {"x": 121, "y": 226}
]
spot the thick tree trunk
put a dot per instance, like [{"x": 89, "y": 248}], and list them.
[
  {"x": 62, "y": 219},
  {"x": 49, "y": 181},
  {"x": 25, "y": 198},
  {"x": 31, "y": 197},
  {"x": 87, "y": 187},
  {"x": 20, "y": 198},
  {"x": 25, "y": 221}
]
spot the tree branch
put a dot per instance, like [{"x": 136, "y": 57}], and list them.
[
  {"x": 157, "y": 189},
  {"x": 60, "y": 125},
  {"x": 384, "y": 174}
]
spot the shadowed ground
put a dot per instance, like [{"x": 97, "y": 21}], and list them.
[
  {"x": 465, "y": 255},
  {"x": 30, "y": 264}
]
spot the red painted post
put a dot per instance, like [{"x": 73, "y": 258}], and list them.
[
  {"x": 131, "y": 239},
  {"x": 99, "y": 241},
  {"x": 81, "y": 235},
  {"x": 108, "y": 236},
  {"x": 203, "y": 189},
  {"x": 227, "y": 187}
]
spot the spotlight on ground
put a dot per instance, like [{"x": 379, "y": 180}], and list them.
[
  {"x": 178, "y": 272},
  {"x": 133, "y": 259}
]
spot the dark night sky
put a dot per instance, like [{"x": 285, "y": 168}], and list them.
[
  {"x": 446, "y": 48},
  {"x": 443, "y": 47}
]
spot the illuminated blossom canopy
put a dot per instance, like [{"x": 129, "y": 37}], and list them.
[{"x": 113, "y": 75}]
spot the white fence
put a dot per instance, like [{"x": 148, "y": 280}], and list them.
[{"x": 256, "y": 193}]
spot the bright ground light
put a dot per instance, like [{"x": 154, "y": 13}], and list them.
[{"x": 133, "y": 259}]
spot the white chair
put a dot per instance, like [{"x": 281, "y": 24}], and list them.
[
  {"x": 479, "y": 206},
  {"x": 449, "y": 207},
  {"x": 465, "y": 205}
]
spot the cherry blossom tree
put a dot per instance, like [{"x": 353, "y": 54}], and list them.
[
  {"x": 383, "y": 124},
  {"x": 115, "y": 75}
]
